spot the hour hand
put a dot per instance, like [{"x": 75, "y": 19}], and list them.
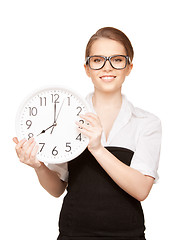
[{"x": 43, "y": 131}]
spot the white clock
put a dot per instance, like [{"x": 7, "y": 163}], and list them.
[{"x": 49, "y": 115}]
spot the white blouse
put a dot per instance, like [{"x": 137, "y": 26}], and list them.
[{"x": 134, "y": 129}]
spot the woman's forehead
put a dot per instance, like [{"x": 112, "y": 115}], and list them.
[{"x": 107, "y": 47}]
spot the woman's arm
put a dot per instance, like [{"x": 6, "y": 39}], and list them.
[
  {"x": 130, "y": 180},
  {"x": 49, "y": 180}
]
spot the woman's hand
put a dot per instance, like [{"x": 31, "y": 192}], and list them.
[
  {"x": 26, "y": 152},
  {"x": 93, "y": 130}
]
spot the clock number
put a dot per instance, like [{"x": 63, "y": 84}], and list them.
[
  {"x": 78, "y": 137},
  {"x": 43, "y": 144},
  {"x": 42, "y": 101},
  {"x": 68, "y": 146},
  {"x": 33, "y": 111},
  {"x": 55, "y": 98},
  {"x": 30, "y": 135},
  {"x": 54, "y": 151},
  {"x": 80, "y": 109},
  {"x": 81, "y": 121},
  {"x": 28, "y": 123}
]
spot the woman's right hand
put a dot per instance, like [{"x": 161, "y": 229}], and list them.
[{"x": 26, "y": 152}]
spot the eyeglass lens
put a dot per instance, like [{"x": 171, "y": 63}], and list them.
[{"x": 97, "y": 62}]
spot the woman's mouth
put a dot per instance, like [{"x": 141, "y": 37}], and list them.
[{"x": 108, "y": 78}]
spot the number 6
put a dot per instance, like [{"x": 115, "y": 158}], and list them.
[{"x": 54, "y": 151}]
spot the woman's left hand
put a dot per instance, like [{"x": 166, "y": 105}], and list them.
[{"x": 92, "y": 129}]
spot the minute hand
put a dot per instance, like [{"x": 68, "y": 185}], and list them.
[
  {"x": 55, "y": 118},
  {"x": 59, "y": 111},
  {"x": 54, "y": 112}
]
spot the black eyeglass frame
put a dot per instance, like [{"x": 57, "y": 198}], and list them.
[{"x": 107, "y": 58}]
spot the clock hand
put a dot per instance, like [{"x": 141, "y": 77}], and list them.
[
  {"x": 59, "y": 111},
  {"x": 43, "y": 131},
  {"x": 55, "y": 111},
  {"x": 54, "y": 124},
  {"x": 55, "y": 119},
  {"x": 54, "y": 116}
]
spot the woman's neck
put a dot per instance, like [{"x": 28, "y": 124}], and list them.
[{"x": 105, "y": 100}]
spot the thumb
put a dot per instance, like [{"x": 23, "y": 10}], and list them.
[{"x": 15, "y": 140}]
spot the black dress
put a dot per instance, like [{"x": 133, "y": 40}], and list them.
[{"x": 95, "y": 207}]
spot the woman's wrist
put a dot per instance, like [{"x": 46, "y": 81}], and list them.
[
  {"x": 96, "y": 150},
  {"x": 40, "y": 168}
]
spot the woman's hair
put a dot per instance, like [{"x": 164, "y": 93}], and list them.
[{"x": 113, "y": 34}]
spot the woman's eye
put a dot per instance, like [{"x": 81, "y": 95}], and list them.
[
  {"x": 97, "y": 60},
  {"x": 117, "y": 60}
]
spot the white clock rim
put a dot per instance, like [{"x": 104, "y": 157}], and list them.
[{"x": 47, "y": 88}]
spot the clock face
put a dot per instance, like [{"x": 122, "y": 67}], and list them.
[{"x": 49, "y": 115}]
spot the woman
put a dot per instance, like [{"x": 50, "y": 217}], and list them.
[{"x": 109, "y": 179}]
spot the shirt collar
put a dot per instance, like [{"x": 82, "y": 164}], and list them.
[{"x": 139, "y": 113}]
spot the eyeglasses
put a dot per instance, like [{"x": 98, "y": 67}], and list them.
[{"x": 97, "y": 62}]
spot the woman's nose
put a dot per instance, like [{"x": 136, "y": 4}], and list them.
[{"x": 107, "y": 66}]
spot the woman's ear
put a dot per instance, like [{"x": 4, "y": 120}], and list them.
[
  {"x": 130, "y": 67},
  {"x": 86, "y": 67}
]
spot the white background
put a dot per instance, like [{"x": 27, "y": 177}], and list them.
[{"x": 43, "y": 43}]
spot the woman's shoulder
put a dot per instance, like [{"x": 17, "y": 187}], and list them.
[
  {"x": 149, "y": 121},
  {"x": 141, "y": 113},
  {"x": 146, "y": 114},
  {"x": 145, "y": 118}
]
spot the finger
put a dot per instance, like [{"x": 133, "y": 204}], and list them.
[
  {"x": 89, "y": 119},
  {"x": 92, "y": 116},
  {"x": 82, "y": 125},
  {"x": 20, "y": 144},
  {"x": 79, "y": 124},
  {"x": 15, "y": 140},
  {"x": 29, "y": 150},
  {"x": 85, "y": 132},
  {"x": 95, "y": 116},
  {"x": 34, "y": 152},
  {"x": 28, "y": 143}
]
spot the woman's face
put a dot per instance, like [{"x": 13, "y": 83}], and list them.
[{"x": 107, "y": 79}]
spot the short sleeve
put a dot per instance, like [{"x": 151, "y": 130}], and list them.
[
  {"x": 147, "y": 154},
  {"x": 61, "y": 169}
]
